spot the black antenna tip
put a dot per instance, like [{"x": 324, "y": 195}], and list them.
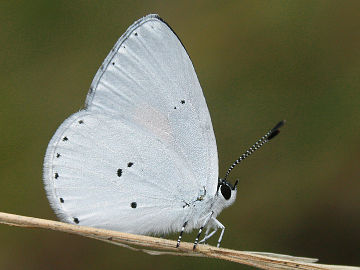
[
  {"x": 275, "y": 131},
  {"x": 273, "y": 134},
  {"x": 279, "y": 125}
]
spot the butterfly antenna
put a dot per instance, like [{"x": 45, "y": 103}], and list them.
[{"x": 264, "y": 139}]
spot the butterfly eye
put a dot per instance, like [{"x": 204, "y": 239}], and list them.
[{"x": 225, "y": 191}]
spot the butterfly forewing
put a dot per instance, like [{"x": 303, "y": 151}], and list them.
[{"x": 148, "y": 78}]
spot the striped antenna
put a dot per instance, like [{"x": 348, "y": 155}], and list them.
[{"x": 264, "y": 139}]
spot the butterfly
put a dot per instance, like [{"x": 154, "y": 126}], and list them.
[{"x": 141, "y": 157}]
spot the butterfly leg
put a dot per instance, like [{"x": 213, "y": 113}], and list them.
[
  {"x": 207, "y": 219},
  {"x": 181, "y": 233},
  {"x": 211, "y": 225},
  {"x": 222, "y": 227},
  {"x": 206, "y": 235}
]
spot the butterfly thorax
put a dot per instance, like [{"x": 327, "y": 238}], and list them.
[{"x": 207, "y": 204}]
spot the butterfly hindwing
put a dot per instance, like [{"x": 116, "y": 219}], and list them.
[{"x": 102, "y": 172}]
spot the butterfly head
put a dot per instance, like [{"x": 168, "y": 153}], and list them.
[{"x": 227, "y": 192}]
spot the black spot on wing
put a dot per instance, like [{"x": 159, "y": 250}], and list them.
[
  {"x": 130, "y": 164},
  {"x": 61, "y": 200},
  {"x": 76, "y": 220},
  {"x": 65, "y": 139},
  {"x": 182, "y": 101},
  {"x": 56, "y": 175},
  {"x": 81, "y": 122},
  {"x": 133, "y": 205},
  {"x": 58, "y": 155},
  {"x": 119, "y": 172}
]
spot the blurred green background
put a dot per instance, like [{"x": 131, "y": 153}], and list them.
[{"x": 258, "y": 62}]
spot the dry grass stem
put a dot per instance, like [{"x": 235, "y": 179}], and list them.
[{"x": 161, "y": 246}]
